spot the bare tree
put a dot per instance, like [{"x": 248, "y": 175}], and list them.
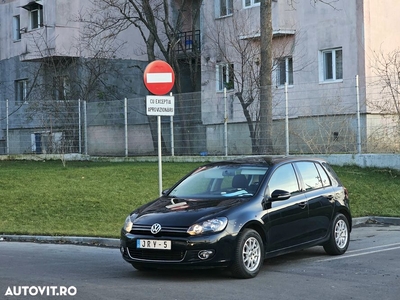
[
  {"x": 387, "y": 70},
  {"x": 160, "y": 25},
  {"x": 236, "y": 45},
  {"x": 239, "y": 51},
  {"x": 386, "y": 85},
  {"x": 57, "y": 82},
  {"x": 266, "y": 56},
  {"x": 266, "y": 34}
]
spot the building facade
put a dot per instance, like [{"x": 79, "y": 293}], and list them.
[
  {"x": 328, "y": 54},
  {"x": 327, "y": 93}
]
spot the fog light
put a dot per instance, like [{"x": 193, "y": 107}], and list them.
[
  {"x": 121, "y": 249},
  {"x": 205, "y": 254}
]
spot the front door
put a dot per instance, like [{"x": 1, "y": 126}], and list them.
[{"x": 286, "y": 220}]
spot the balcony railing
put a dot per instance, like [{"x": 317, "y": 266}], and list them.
[{"x": 189, "y": 41}]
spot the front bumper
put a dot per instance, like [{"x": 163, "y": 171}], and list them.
[{"x": 215, "y": 250}]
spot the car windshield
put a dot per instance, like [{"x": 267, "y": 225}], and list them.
[{"x": 223, "y": 181}]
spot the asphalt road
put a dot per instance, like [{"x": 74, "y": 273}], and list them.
[{"x": 369, "y": 270}]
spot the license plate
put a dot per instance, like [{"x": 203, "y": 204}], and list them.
[{"x": 153, "y": 244}]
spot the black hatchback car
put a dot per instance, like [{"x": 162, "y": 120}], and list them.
[{"x": 237, "y": 213}]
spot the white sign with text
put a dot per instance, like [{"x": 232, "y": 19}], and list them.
[{"x": 160, "y": 105}]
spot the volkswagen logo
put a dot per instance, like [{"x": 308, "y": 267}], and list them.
[{"x": 155, "y": 228}]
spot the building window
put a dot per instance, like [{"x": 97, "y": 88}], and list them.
[
  {"x": 61, "y": 87},
  {"x": 224, "y": 8},
  {"x": 16, "y": 28},
  {"x": 36, "y": 17},
  {"x": 331, "y": 64},
  {"x": 284, "y": 71},
  {"x": 35, "y": 14},
  {"x": 21, "y": 91},
  {"x": 225, "y": 77},
  {"x": 250, "y": 3},
  {"x": 46, "y": 142}
]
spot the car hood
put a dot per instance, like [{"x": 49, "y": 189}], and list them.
[{"x": 182, "y": 212}]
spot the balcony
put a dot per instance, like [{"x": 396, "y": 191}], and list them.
[{"x": 189, "y": 42}]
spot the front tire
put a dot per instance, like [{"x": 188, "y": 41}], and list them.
[
  {"x": 340, "y": 236},
  {"x": 249, "y": 255}
]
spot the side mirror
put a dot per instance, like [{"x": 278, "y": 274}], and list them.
[
  {"x": 164, "y": 192},
  {"x": 279, "y": 195}
]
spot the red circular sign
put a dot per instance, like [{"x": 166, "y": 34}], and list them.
[{"x": 159, "y": 78}]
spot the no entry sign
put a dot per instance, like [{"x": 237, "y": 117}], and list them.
[{"x": 159, "y": 78}]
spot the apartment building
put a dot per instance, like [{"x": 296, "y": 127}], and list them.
[
  {"x": 325, "y": 58},
  {"x": 50, "y": 58},
  {"x": 320, "y": 49}
]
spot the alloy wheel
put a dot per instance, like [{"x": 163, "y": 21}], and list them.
[
  {"x": 341, "y": 234},
  {"x": 251, "y": 254}
]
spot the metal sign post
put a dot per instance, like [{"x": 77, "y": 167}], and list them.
[
  {"x": 159, "y": 79},
  {"x": 160, "y": 106}
]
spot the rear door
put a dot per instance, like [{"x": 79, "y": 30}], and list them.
[{"x": 319, "y": 195}]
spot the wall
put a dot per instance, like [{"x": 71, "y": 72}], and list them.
[
  {"x": 110, "y": 140},
  {"x": 383, "y": 161}
]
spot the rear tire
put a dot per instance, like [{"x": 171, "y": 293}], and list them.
[
  {"x": 249, "y": 255},
  {"x": 339, "y": 237}
]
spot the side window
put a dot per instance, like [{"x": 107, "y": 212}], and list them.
[
  {"x": 35, "y": 14},
  {"x": 323, "y": 176},
  {"x": 333, "y": 176},
  {"x": 331, "y": 65},
  {"x": 284, "y": 71},
  {"x": 250, "y": 3},
  {"x": 61, "y": 87},
  {"x": 223, "y": 8},
  {"x": 309, "y": 173},
  {"x": 21, "y": 91},
  {"x": 225, "y": 77},
  {"x": 16, "y": 28},
  {"x": 284, "y": 178}
]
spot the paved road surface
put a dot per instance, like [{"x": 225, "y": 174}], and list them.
[{"x": 369, "y": 270}]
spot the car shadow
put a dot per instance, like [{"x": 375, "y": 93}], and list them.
[
  {"x": 181, "y": 275},
  {"x": 221, "y": 274},
  {"x": 310, "y": 253}
]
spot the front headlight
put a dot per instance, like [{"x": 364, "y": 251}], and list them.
[
  {"x": 128, "y": 224},
  {"x": 212, "y": 225}
]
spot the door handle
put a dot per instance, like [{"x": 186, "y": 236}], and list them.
[{"x": 303, "y": 204}]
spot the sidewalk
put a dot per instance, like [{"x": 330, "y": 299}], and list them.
[{"x": 114, "y": 243}]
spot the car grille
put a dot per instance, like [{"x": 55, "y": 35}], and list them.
[
  {"x": 156, "y": 255},
  {"x": 165, "y": 231}
]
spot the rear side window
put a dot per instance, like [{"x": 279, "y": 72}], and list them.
[
  {"x": 311, "y": 177},
  {"x": 323, "y": 176},
  {"x": 334, "y": 177}
]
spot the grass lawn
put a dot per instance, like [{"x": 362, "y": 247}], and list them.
[{"x": 94, "y": 198}]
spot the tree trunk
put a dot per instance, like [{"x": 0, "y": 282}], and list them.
[{"x": 266, "y": 77}]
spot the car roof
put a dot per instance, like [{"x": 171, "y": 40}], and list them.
[{"x": 267, "y": 160}]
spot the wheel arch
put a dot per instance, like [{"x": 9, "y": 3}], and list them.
[
  {"x": 258, "y": 227},
  {"x": 348, "y": 217}
]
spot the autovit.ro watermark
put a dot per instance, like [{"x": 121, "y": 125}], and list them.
[{"x": 41, "y": 291}]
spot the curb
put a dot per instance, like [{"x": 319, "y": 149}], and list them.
[
  {"x": 115, "y": 243},
  {"x": 373, "y": 220},
  {"x": 76, "y": 240}
]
